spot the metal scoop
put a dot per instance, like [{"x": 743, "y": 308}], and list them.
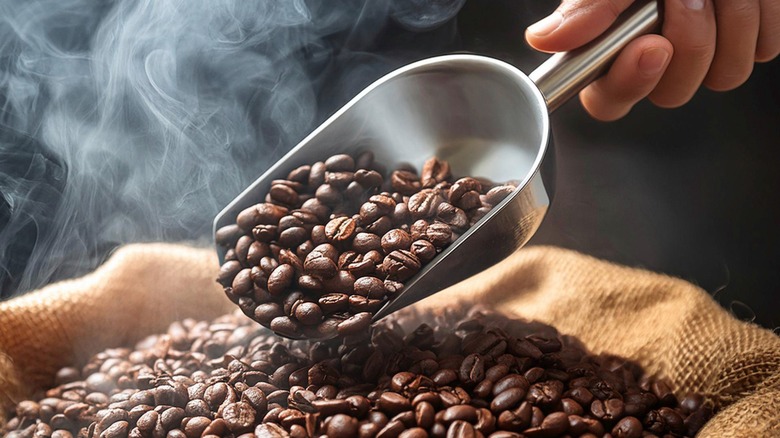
[{"x": 482, "y": 115}]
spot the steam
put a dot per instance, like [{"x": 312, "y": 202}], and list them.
[{"x": 127, "y": 121}]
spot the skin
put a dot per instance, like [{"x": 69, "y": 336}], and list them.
[{"x": 713, "y": 43}]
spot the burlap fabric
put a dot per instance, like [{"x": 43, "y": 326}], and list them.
[{"x": 669, "y": 326}]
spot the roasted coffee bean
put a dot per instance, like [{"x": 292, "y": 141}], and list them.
[
  {"x": 510, "y": 381},
  {"x": 265, "y": 213},
  {"x": 280, "y": 279},
  {"x": 370, "y": 287},
  {"x": 497, "y": 194},
  {"x": 472, "y": 370},
  {"x": 333, "y": 302},
  {"x": 340, "y": 229},
  {"x": 317, "y": 264},
  {"x": 452, "y": 216},
  {"x": 628, "y": 427},
  {"x": 365, "y": 242},
  {"x": 424, "y": 250},
  {"x": 283, "y": 194},
  {"x": 231, "y": 378},
  {"x": 460, "y": 412},
  {"x": 434, "y": 171},
  {"x": 228, "y": 235},
  {"x": 340, "y": 163},
  {"x": 300, "y": 174},
  {"x": 308, "y": 313},
  {"x": 400, "y": 265},
  {"x": 545, "y": 393},
  {"x": 354, "y": 324},
  {"x": 405, "y": 182},
  {"x": 369, "y": 179},
  {"x": 284, "y": 326},
  {"x": 395, "y": 239},
  {"x": 507, "y": 399},
  {"x": 380, "y": 226},
  {"x": 425, "y": 203},
  {"x": 393, "y": 403},
  {"x": 438, "y": 233},
  {"x": 461, "y": 429}
]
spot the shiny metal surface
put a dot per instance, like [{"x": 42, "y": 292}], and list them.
[
  {"x": 564, "y": 75},
  {"x": 484, "y": 116}
]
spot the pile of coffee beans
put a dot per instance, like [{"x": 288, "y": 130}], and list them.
[
  {"x": 458, "y": 375},
  {"x": 335, "y": 240}
]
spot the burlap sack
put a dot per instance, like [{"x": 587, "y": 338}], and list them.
[{"x": 670, "y": 327}]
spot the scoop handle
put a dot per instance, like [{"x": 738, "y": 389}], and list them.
[{"x": 565, "y": 74}]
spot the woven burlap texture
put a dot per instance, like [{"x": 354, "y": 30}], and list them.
[{"x": 669, "y": 326}]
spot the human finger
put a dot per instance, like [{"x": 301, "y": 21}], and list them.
[
  {"x": 574, "y": 23},
  {"x": 768, "y": 44},
  {"x": 690, "y": 26},
  {"x": 633, "y": 75},
  {"x": 738, "y": 23}
]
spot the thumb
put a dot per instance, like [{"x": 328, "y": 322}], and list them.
[{"x": 574, "y": 23}]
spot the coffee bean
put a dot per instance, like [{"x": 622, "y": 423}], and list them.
[
  {"x": 571, "y": 407},
  {"x": 497, "y": 194},
  {"x": 461, "y": 429},
  {"x": 280, "y": 279},
  {"x": 510, "y": 381},
  {"x": 370, "y": 287},
  {"x": 283, "y": 194},
  {"x": 265, "y": 213},
  {"x": 365, "y": 242},
  {"x": 439, "y": 234},
  {"x": 628, "y": 427},
  {"x": 292, "y": 237},
  {"x": 317, "y": 264},
  {"x": 460, "y": 412},
  {"x": 434, "y": 171},
  {"x": 415, "y": 432},
  {"x": 405, "y": 182},
  {"x": 545, "y": 393},
  {"x": 228, "y": 235},
  {"x": 395, "y": 239},
  {"x": 400, "y": 265},
  {"x": 507, "y": 399},
  {"x": 333, "y": 302},
  {"x": 452, "y": 216},
  {"x": 393, "y": 403},
  {"x": 392, "y": 429},
  {"x": 228, "y": 271},
  {"x": 340, "y": 229},
  {"x": 424, "y": 250},
  {"x": 380, "y": 226},
  {"x": 223, "y": 378},
  {"x": 328, "y": 195},
  {"x": 472, "y": 370},
  {"x": 664, "y": 393},
  {"x": 425, "y": 203},
  {"x": 368, "y": 178},
  {"x": 284, "y": 326},
  {"x": 339, "y": 163},
  {"x": 308, "y": 313},
  {"x": 354, "y": 324},
  {"x": 116, "y": 430}
]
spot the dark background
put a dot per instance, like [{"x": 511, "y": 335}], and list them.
[{"x": 689, "y": 192}]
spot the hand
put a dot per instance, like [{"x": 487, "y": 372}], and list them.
[{"x": 704, "y": 42}]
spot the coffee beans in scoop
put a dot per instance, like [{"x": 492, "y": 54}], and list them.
[
  {"x": 334, "y": 241},
  {"x": 457, "y": 375}
]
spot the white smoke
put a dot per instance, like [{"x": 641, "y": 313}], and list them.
[{"x": 138, "y": 120}]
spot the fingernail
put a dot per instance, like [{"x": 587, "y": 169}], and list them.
[
  {"x": 694, "y": 4},
  {"x": 546, "y": 25},
  {"x": 652, "y": 61}
]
